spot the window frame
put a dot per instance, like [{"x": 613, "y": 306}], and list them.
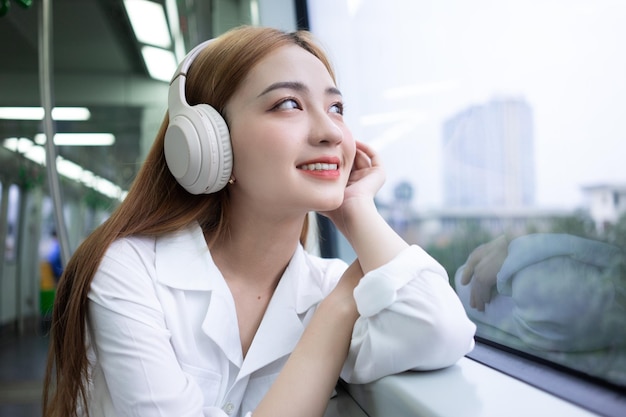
[{"x": 593, "y": 394}]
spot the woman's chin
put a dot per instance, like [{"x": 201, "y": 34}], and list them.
[{"x": 329, "y": 206}]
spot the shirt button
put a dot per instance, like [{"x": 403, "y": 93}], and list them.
[{"x": 228, "y": 408}]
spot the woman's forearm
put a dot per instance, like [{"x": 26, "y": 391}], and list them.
[
  {"x": 373, "y": 240},
  {"x": 307, "y": 380}
]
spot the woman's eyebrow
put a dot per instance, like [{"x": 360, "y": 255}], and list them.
[
  {"x": 290, "y": 85},
  {"x": 333, "y": 91},
  {"x": 297, "y": 86}
]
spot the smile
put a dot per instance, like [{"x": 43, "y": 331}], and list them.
[{"x": 318, "y": 167}]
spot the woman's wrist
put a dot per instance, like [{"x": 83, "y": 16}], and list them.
[
  {"x": 374, "y": 241},
  {"x": 340, "y": 302},
  {"x": 355, "y": 214}
]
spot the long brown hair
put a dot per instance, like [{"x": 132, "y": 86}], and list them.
[{"x": 156, "y": 204}]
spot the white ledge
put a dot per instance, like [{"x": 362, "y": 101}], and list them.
[{"x": 467, "y": 389}]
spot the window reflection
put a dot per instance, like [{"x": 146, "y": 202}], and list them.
[
  {"x": 558, "y": 296},
  {"x": 501, "y": 127}
]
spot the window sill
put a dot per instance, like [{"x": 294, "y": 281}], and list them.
[{"x": 468, "y": 388}]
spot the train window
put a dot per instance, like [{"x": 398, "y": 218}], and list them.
[
  {"x": 12, "y": 221},
  {"x": 501, "y": 127}
]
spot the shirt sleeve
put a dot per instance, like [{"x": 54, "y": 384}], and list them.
[
  {"x": 410, "y": 319},
  {"x": 131, "y": 342},
  {"x": 565, "y": 291},
  {"x": 529, "y": 250}
]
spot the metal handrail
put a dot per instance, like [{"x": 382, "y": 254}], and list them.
[{"x": 45, "y": 81}]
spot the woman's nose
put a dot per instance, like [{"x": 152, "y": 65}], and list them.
[{"x": 325, "y": 130}]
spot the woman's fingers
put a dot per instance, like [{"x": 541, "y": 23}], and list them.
[{"x": 363, "y": 150}]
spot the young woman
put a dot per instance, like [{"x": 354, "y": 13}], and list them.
[{"x": 197, "y": 298}]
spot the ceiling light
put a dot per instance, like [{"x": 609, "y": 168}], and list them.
[
  {"x": 65, "y": 167},
  {"x": 21, "y": 113},
  {"x": 161, "y": 63},
  {"x": 87, "y": 177},
  {"x": 37, "y": 113},
  {"x": 36, "y": 154},
  {"x": 78, "y": 139},
  {"x": 179, "y": 43},
  {"x": 27, "y": 148},
  {"x": 20, "y": 145},
  {"x": 106, "y": 187},
  {"x": 69, "y": 169},
  {"x": 71, "y": 113},
  {"x": 149, "y": 22}
]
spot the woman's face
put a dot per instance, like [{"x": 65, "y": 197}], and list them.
[{"x": 292, "y": 149}]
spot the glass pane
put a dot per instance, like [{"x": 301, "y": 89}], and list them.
[
  {"x": 13, "y": 213},
  {"x": 501, "y": 125}
]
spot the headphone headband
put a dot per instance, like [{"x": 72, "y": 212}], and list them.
[{"x": 183, "y": 67}]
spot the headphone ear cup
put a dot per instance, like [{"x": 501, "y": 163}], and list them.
[
  {"x": 198, "y": 150},
  {"x": 219, "y": 148}
]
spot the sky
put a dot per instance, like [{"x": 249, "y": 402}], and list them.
[{"x": 406, "y": 66}]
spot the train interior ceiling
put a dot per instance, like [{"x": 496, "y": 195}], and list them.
[{"x": 96, "y": 62}]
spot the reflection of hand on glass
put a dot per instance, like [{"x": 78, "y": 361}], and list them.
[
  {"x": 558, "y": 296},
  {"x": 553, "y": 292},
  {"x": 481, "y": 270}
]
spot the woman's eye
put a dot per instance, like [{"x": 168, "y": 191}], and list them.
[
  {"x": 288, "y": 104},
  {"x": 337, "y": 108}
]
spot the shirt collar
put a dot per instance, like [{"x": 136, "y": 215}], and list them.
[
  {"x": 282, "y": 326},
  {"x": 183, "y": 261}
]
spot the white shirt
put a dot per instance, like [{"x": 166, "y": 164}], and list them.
[{"x": 165, "y": 338}]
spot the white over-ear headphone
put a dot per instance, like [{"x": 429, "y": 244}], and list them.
[{"x": 197, "y": 141}]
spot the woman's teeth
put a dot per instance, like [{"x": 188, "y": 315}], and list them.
[{"x": 318, "y": 167}]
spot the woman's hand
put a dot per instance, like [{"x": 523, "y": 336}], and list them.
[
  {"x": 481, "y": 269},
  {"x": 367, "y": 175},
  {"x": 373, "y": 240},
  {"x": 366, "y": 178}
]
